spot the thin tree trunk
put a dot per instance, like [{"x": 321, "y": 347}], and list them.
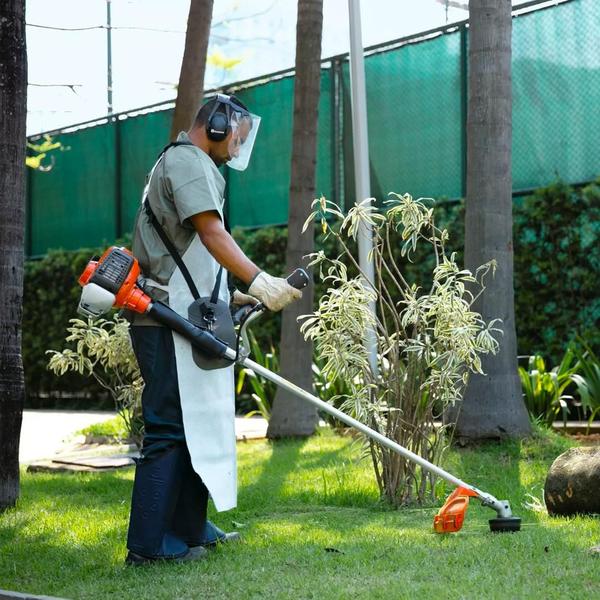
[
  {"x": 13, "y": 113},
  {"x": 493, "y": 406},
  {"x": 292, "y": 416},
  {"x": 191, "y": 78}
]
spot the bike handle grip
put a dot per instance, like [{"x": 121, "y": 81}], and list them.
[{"x": 298, "y": 279}]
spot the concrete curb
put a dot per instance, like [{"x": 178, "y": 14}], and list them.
[{"x": 8, "y": 595}]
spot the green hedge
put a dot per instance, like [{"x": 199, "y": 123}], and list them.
[
  {"x": 557, "y": 264},
  {"x": 50, "y": 299},
  {"x": 557, "y": 269}
]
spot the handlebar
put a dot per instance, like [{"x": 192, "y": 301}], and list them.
[
  {"x": 298, "y": 279},
  {"x": 244, "y": 315}
]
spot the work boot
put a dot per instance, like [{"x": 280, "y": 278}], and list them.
[
  {"x": 213, "y": 536},
  {"x": 136, "y": 560},
  {"x": 155, "y": 493}
]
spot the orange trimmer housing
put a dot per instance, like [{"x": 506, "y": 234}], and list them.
[
  {"x": 451, "y": 516},
  {"x": 117, "y": 271}
]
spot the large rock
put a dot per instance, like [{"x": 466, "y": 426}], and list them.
[{"x": 573, "y": 483}]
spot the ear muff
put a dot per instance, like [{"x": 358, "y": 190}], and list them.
[{"x": 217, "y": 124}]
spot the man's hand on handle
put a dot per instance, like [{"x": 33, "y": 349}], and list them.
[
  {"x": 240, "y": 299},
  {"x": 274, "y": 292}
]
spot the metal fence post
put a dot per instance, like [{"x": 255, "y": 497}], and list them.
[
  {"x": 464, "y": 98},
  {"x": 118, "y": 186}
]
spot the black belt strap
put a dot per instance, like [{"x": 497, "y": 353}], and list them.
[{"x": 162, "y": 234}]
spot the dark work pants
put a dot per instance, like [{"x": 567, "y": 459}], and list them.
[{"x": 168, "y": 507}]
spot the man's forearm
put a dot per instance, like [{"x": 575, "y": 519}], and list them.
[{"x": 228, "y": 254}]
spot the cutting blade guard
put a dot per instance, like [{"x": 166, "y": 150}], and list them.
[{"x": 451, "y": 516}]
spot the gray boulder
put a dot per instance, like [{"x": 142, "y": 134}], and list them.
[{"x": 573, "y": 483}]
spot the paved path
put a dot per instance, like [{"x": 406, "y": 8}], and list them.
[{"x": 45, "y": 432}]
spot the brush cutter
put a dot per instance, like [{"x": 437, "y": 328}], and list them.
[{"x": 112, "y": 281}]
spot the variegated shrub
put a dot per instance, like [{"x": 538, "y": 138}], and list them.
[{"x": 428, "y": 338}]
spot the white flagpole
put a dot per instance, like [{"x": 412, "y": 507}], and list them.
[{"x": 361, "y": 156}]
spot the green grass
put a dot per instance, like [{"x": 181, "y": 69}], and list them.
[
  {"x": 111, "y": 428},
  {"x": 297, "y": 498}
]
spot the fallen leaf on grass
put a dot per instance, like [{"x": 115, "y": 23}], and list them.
[{"x": 238, "y": 524}]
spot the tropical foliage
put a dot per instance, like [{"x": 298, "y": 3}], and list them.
[
  {"x": 428, "y": 338},
  {"x": 544, "y": 390},
  {"x": 103, "y": 351},
  {"x": 588, "y": 379}
]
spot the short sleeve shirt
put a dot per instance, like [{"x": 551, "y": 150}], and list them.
[{"x": 185, "y": 182}]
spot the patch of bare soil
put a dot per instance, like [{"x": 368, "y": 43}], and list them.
[{"x": 592, "y": 439}]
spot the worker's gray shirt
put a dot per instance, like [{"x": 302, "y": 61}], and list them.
[{"x": 185, "y": 182}]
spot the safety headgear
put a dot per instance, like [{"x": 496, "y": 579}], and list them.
[{"x": 238, "y": 121}]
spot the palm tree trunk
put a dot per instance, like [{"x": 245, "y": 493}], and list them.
[
  {"x": 193, "y": 65},
  {"x": 292, "y": 416},
  {"x": 493, "y": 405},
  {"x": 13, "y": 113}
]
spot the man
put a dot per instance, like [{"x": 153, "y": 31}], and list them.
[{"x": 189, "y": 443}]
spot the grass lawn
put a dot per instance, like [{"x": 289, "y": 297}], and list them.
[{"x": 299, "y": 500}]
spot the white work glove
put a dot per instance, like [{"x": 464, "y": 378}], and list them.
[
  {"x": 274, "y": 292},
  {"x": 240, "y": 299}
]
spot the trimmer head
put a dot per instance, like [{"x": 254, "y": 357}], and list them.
[
  {"x": 505, "y": 524},
  {"x": 451, "y": 516}
]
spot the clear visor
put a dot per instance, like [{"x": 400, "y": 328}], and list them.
[{"x": 241, "y": 142}]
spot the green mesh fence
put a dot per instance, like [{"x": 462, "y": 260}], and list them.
[
  {"x": 414, "y": 120},
  {"x": 556, "y": 95},
  {"x": 259, "y": 195},
  {"x": 142, "y": 138},
  {"x": 416, "y": 98},
  {"x": 73, "y": 205}
]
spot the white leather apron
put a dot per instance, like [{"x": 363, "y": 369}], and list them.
[{"x": 207, "y": 397}]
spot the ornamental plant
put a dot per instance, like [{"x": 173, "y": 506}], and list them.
[
  {"x": 103, "y": 350},
  {"x": 544, "y": 389},
  {"x": 429, "y": 339}
]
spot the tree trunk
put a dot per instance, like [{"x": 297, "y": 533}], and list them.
[
  {"x": 13, "y": 114},
  {"x": 292, "y": 416},
  {"x": 493, "y": 406},
  {"x": 191, "y": 78}
]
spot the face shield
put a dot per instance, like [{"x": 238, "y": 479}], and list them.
[{"x": 244, "y": 127}]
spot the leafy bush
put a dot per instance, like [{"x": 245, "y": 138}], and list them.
[
  {"x": 428, "y": 337},
  {"x": 103, "y": 351},
  {"x": 557, "y": 269},
  {"x": 557, "y": 263},
  {"x": 588, "y": 380},
  {"x": 112, "y": 430},
  {"x": 50, "y": 299},
  {"x": 262, "y": 391},
  {"x": 544, "y": 391}
]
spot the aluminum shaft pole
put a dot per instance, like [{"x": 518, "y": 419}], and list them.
[
  {"x": 361, "y": 156},
  {"x": 500, "y": 506},
  {"x": 338, "y": 414}
]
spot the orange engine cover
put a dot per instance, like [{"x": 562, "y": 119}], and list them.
[{"x": 117, "y": 270}]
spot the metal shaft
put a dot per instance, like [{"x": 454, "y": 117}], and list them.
[
  {"x": 338, "y": 414},
  {"x": 500, "y": 506},
  {"x": 358, "y": 97}
]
